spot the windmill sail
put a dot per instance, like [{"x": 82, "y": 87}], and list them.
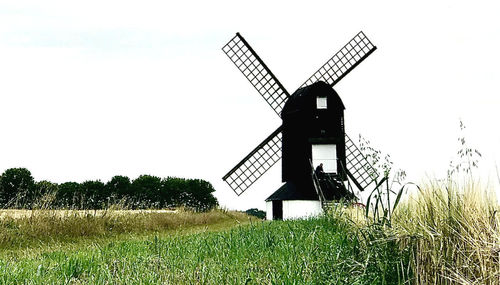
[
  {"x": 256, "y": 71},
  {"x": 358, "y": 168},
  {"x": 345, "y": 60},
  {"x": 255, "y": 164}
]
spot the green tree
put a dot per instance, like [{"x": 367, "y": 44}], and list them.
[
  {"x": 198, "y": 195},
  {"x": 95, "y": 194},
  {"x": 45, "y": 187},
  {"x": 45, "y": 194},
  {"x": 172, "y": 188},
  {"x": 69, "y": 195},
  {"x": 119, "y": 186},
  {"x": 16, "y": 187},
  {"x": 146, "y": 191}
]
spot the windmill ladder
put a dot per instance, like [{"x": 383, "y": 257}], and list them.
[
  {"x": 317, "y": 187},
  {"x": 325, "y": 204}
]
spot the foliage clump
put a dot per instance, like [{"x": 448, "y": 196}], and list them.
[
  {"x": 256, "y": 213},
  {"x": 18, "y": 189}
]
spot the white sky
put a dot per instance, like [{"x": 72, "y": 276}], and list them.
[{"x": 93, "y": 89}]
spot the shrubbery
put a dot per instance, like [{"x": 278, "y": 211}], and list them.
[
  {"x": 256, "y": 213},
  {"x": 18, "y": 189}
]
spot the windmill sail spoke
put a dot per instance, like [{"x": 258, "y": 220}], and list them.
[
  {"x": 255, "y": 70},
  {"x": 345, "y": 60},
  {"x": 255, "y": 164},
  {"x": 358, "y": 168}
]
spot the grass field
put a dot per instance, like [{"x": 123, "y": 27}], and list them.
[
  {"x": 440, "y": 235},
  {"x": 18, "y": 214},
  {"x": 43, "y": 228},
  {"x": 314, "y": 251}
]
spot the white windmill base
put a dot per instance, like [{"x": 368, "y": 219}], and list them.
[{"x": 296, "y": 209}]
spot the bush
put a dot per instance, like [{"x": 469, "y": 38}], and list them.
[{"x": 256, "y": 213}]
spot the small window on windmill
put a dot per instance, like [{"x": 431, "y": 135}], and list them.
[
  {"x": 326, "y": 154},
  {"x": 321, "y": 102}
]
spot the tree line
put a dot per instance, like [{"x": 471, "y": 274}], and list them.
[{"x": 18, "y": 189}]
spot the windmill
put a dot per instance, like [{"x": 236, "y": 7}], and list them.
[{"x": 312, "y": 133}]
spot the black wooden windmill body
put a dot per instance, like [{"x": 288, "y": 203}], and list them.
[{"x": 312, "y": 133}]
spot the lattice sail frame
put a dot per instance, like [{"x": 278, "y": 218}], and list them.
[
  {"x": 256, "y": 71},
  {"x": 345, "y": 60},
  {"x": 255, "y": 164},
  {"x": 358, "y": 168}
]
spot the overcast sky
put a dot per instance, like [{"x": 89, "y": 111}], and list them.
[{"x": 93, "y": 89}]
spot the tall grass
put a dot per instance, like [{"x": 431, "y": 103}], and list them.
[
  {"x": 41, "y": 226},
  {"x": 444, "y": 233},
  {"x": 453, "y": 232},
  {"x": 326, "y": 250}
]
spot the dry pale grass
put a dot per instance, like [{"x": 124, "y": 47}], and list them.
[
  {"x": 453, "y": 231},
  {"x": 353, "y": 213},
  {"x": 24, "y": 228},
  {"x": 17, "y": 214}
]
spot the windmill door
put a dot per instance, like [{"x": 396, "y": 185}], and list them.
[
  {"x": 277, "y": 210},
  {"x": 326, "y": 154}
]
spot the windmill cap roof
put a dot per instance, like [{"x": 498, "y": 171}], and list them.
[{"x": 306, "y": 96}]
